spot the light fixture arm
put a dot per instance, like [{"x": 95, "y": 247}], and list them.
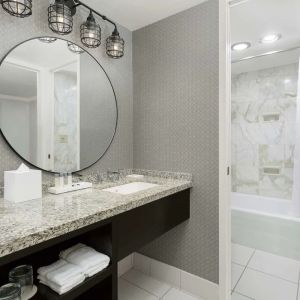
[{"x": 79, "y": 3}]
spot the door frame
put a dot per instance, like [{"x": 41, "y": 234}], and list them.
[{"x": 224, "y": 151}]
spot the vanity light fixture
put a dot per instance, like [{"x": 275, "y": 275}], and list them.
[
  {"x": 270, "y": 38},
  {"x": 74, "y": 48},
  {"x": 18, "y": 8},
  {"x": 115, "y": 45},
  {"x": 90, "y": 32},
  {"x": 240, "y": 46},
  {"x": 60, "y": 16},
  {"x": 60, "y": 21},
  {"x": 47, "y": 40}
]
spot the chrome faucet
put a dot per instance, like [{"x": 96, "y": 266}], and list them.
[{"x": 113, "y": 175}]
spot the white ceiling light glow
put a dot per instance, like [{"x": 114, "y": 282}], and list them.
[
  {"x": 270, "y": 38},
  {"x": 240, "y": 46}
]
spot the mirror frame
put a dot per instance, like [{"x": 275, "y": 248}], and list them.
[{"x": 114, "y": 93}]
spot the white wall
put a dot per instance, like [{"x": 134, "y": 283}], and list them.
[{"x": 20, "y": 137}]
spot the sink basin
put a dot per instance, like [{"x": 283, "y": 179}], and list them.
[{"x": 130, "y": 188}]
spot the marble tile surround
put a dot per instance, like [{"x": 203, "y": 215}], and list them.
[
  {"x": 259, "y": 142},
  {"x": 66, "y": 122}
]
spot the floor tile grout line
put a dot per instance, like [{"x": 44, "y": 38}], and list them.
[
  {"x": 135, "y": 285},
  {"x": 180, "y": 279},
  {"x": 238, "y": 264},
  {"x": 272, "y": 275},
  {"x": 297, "y": 296},
  {"x": 244, "y": 295},
  {"x": 166, "y": 293},
  {"x": 251, "y": 257},
  {"x": 158, "y": 297},
  {"x": 275, "y": 276},
  {"x": 233, "y": 290},
  {"x": 245, "y": 267}
]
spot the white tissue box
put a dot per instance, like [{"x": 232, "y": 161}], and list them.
[{"x": 22, "y": 185}]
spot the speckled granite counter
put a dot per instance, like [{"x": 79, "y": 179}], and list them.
[{"x": 26, "y": 224}]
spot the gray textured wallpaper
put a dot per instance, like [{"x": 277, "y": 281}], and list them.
[
  {"x": 175, "y": 123},
  {"x": 15, "y": 30},
  {"x": 176, "y": 77}
]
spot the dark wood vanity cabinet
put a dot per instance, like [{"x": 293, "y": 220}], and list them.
[
  {"x": 138, "y": 227},
  {"x": 117, "y": 237}
]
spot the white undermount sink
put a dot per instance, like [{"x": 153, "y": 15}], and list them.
[{"x": 130, "y": 188}]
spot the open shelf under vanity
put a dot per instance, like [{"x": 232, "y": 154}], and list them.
[
  {"x": 100, "y": 281},
  {"x": 97, "y": 236},
  {"x": 116, "y": 237}
]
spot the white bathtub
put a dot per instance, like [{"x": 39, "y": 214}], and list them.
[
  {"x": 266, "y": 224},
  {"x": 273, "y": 207}
]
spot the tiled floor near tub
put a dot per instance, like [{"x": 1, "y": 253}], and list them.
[
  {"x": 256, "y": 275},
  {"x": 261, "y": 275},
  {"x": 135, "y": 285}
]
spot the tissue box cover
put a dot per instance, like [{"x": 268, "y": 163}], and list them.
[{"x": 22, "y": 186}]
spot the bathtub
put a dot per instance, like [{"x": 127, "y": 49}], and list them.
[{"x": 266, "y": 224}]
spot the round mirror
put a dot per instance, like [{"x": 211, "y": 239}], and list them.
[{"x": 58, "y": 109}]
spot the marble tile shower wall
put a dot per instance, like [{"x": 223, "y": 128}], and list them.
[{"x": 264, "y": 106}]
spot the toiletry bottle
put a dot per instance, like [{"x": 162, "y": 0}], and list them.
[
  {"x": 61, "y": 180},
  {"x": 57, "y": 180},
  {"x": 70, "y": 181},
  {"x": 65, "y": 178}
]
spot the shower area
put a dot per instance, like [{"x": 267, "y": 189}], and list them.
[
  {"x": 266, "y": 154},
  {"x": 265, "y": 149}
]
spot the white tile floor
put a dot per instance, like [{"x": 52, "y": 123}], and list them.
[
  {"x": 135, "y": 285},
  {"x": 256, "y": 275},
  {"x": 259, "y": 275}
]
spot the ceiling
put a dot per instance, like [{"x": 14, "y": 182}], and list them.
[
  {"x": 34, "y": 52},
  {"x": 135, "y": 14},
  {"x": 19, "y": 82},
  {"x": 253, "y": 19}
]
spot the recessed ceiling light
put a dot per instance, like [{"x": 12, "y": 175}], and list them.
[
  {"x": 47, "y": 40},
  {"x": 240, "y": 46},
  {"x": 270, "y": 38}
]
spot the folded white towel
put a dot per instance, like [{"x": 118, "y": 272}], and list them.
[
  {"x": 61, "y": 276},
  {"x": 45, "y": 270},
  {"x": 64, "y": 274},
  {"x": 76, "y": 278},
  {"x": 81, "y": 252},
  {"x": 96, "y": 269},
  {"x": 62, "y": 289},
  {"x": 87, "y": 258},
  {"x": 66, "y": 252}
]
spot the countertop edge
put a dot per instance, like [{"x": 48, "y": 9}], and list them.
[{"x": 65, "y": 228}]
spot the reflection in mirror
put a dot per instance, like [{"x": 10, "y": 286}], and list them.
[{"x": 57, "y": 107}]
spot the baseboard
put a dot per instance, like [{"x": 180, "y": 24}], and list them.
[
  {"x": 125, "y": 265},
  {"x": 188, "y": 282}
]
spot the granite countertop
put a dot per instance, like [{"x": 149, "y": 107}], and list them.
[{"x": 28, "y": 223}]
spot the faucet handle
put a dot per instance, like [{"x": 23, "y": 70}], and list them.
[{"x": 113, "y": 175}]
